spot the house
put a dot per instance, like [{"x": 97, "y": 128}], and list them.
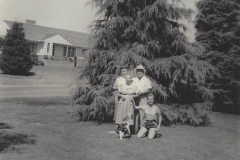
[{"x": 51, "y": 41}]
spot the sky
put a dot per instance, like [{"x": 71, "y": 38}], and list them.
[{"x": 65, "y": 14}]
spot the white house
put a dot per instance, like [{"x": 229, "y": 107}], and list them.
[{"x": 51, "y": 41}]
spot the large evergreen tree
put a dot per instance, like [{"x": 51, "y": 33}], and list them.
[
  {"x": 146, "y": 32},
  {"x": 218, "y": 25},
  {"x": 16, "y": 56}
]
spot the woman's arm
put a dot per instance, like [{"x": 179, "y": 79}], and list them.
[{"x": 134, "y": 95}]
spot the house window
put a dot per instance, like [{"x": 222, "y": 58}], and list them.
[
  {"x": 48, "y": 47},
  {"x": 33, "y": 47}
]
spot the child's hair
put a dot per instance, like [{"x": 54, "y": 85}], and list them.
[{"x": 150, "y": 95}]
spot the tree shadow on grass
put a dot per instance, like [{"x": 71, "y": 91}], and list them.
[
  {"x": 29, "y": 74},
  {"x": 9, "y": 141}
]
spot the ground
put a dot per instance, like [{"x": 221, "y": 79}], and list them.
[
  {"x": 40, "y": 128},
  {"x": 53, "y": 73},
  {"x": 53, "y": 79}
]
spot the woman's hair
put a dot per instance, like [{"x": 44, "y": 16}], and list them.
[
  {"x": 123, "y": 67},
  {"x": 150, "y": 95}
]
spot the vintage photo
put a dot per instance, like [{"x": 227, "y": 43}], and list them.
[{"x": 119, "y": 79}]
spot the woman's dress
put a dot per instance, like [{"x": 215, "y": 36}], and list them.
[
  {"x": 125, "y": 110},
  {"x": 119, "y": 81}
]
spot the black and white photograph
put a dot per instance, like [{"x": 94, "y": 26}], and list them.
[{"x": 119, "y": 79}]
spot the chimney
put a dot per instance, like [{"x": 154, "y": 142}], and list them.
[{"x": 30, "y": 22}]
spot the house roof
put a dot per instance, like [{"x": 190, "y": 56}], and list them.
[
  {"x": 36, "y": 33},
  {"x": 49, "y": 36}
]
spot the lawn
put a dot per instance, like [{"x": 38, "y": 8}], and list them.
[
  {"x": 41, "y": 129},
  {"x": 53, "y": 73}
]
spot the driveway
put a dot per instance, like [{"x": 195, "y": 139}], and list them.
[{"x": 34, "y": 91}]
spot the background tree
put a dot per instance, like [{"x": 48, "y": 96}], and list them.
[
  {"x": 1, "y": 42},
  {"x": 147, "y": 32},
  {"x": 219, "y": 30},
  {"x": 16, "y": 56}
]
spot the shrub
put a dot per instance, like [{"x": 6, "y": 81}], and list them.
[
  {"x": 45, "y": 56},
  {"x": 36, "y": 61},
  {"x": 54, "y": 58},
  {"x": 41, "y": 63},
  {"x": 71, "y": 59}
]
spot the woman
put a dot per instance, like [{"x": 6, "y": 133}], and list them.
[
  {"x": 152, "y": 118},
  {"x": 125, "y": 110},
  {"x": 118, "y": 82}
]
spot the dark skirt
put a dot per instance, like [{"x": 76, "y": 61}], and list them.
[{"x": 150, "y": 124}]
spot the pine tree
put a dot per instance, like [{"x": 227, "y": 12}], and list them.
[
  {"x": 146, "y": 32},
  {"x": 219, "y": 30},
  {"x": 16, "y": 57}
]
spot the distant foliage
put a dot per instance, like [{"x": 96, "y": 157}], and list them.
[
  {"x": 145, "y": 32},
  {"x": 36, "y": 60},
  {"x": 16, "y": 57},
  {"x": 219, "y": 31}
]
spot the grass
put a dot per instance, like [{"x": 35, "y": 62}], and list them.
[
  {"x": 53, "y": 73},
  {"x": 40, "y": 129}
]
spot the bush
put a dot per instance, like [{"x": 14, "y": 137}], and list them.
[
  {"x": 195, "y": 114},
  {"x": 41, "y": 63},
  {"x": 53, "y": 58},
  {"x": 16, "y": 57},
  {"x": 36, "y": 60},
  {"x": 71, "y": 59},
  {"x": 45, "y": 56}
]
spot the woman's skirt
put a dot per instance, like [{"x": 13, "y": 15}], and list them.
[
  {"x": 125, "y": 111},
  {"x": 150, "y": 124}
]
